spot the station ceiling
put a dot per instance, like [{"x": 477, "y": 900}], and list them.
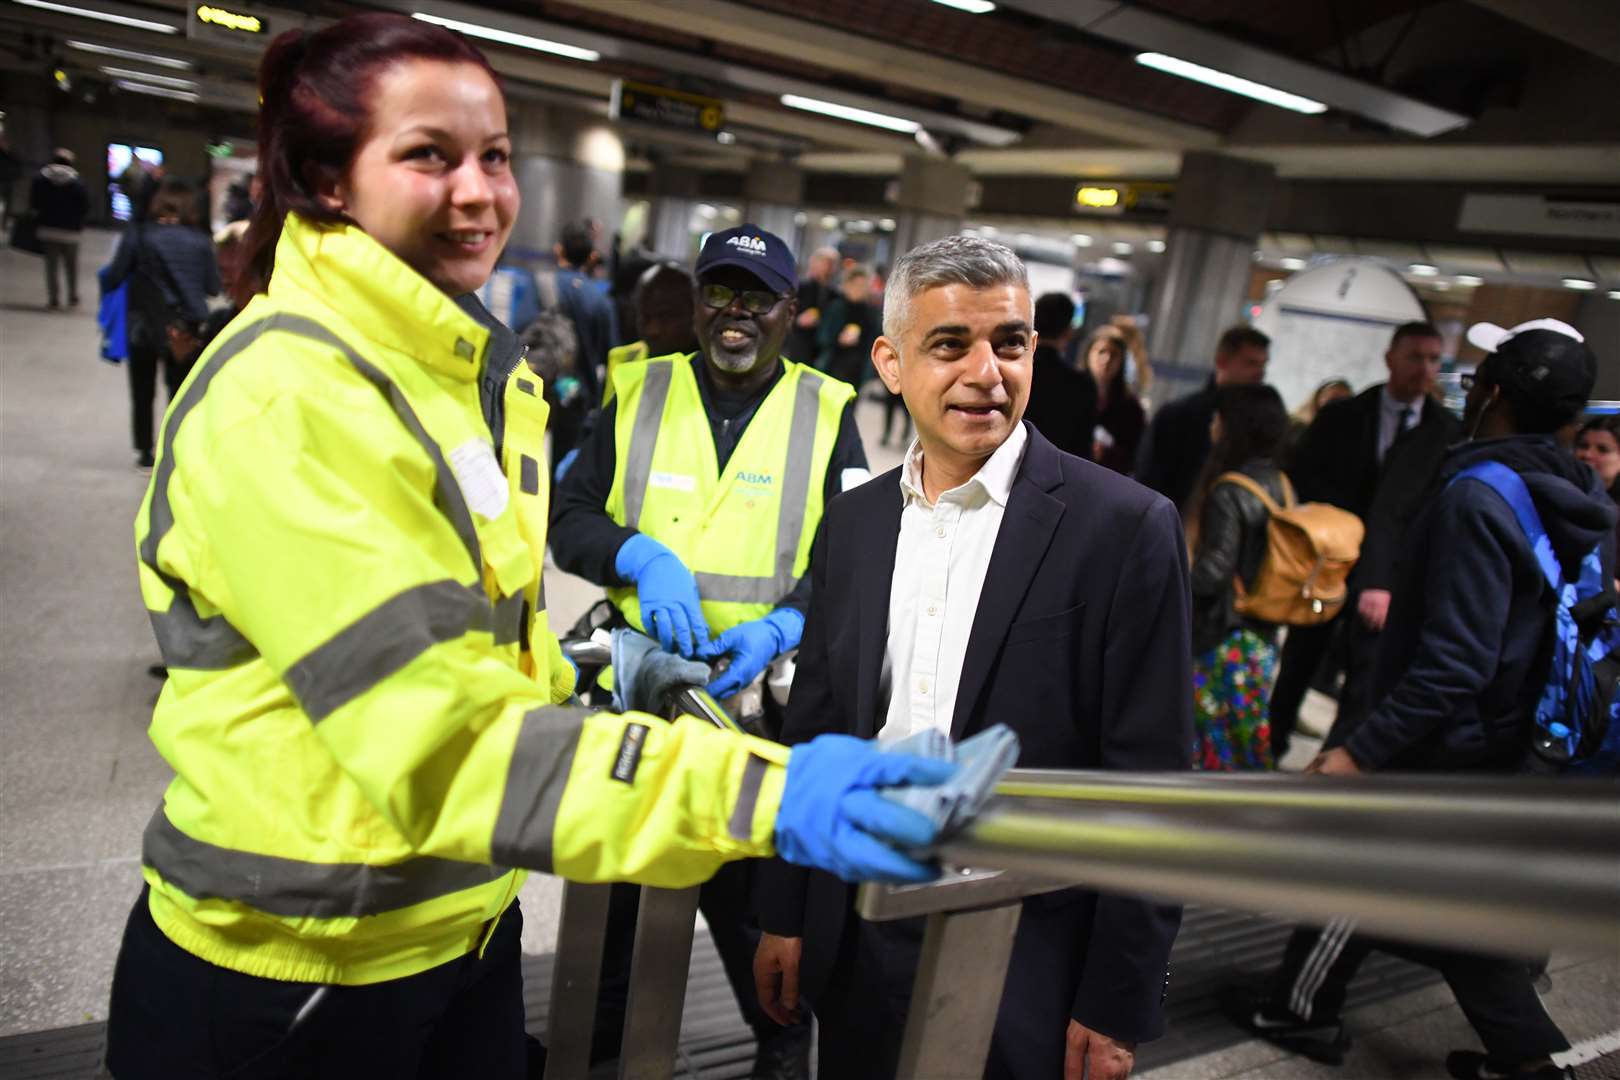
[{"x": 1035, "y": 87}]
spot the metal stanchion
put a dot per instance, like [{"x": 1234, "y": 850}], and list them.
[{"x": 575, "y": 980}]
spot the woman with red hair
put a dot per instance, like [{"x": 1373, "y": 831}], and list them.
[{"x": 369, "y": 719}]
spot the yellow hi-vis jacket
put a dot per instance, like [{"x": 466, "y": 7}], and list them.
[
  {"x": 364, "y": 704},
  {"x": 745, "y": 535}
]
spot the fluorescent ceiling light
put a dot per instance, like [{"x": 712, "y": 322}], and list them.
[
  {"x": 1121, "y": 248},
  {"x": 507, "y": 37},
  {"x": 102, "y": 16},
  {"x": 1234, "y": 84},
  {"x": 847, "y": 112},
  {"x": 725, "y": 138},
  {"x": 156, "y": 91},
  {"x": 1155, "y": 246},
  {"x": 1081, "y": 240},
  {"x": 1580, "y": 284},
  {"x": 1423, "y": 269},
  {"x": 977, "y": 7},
  {"x": 886, "y": 224},
  {"x": 131, "y": 54},
  {"x": 147, "y": 76},
  {"x": 1614, "y": 294},
  {"x": 1470, "y": 280},
  {"x": 1291, "y": 263},
  {"x": 829, "y": 222}
]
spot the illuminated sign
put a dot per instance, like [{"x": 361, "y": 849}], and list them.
[
  {"x": 226, "y": 19},
  {"x": 1096, "y": 198},
  {"x": 667, "y": 108}
]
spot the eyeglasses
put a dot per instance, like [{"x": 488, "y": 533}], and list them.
[{"x": 754, "y": 301}]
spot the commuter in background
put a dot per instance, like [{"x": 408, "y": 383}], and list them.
[
  {"x": 1234, "y": 657},
  {"x": 580, "y": 297},
  {"x": 139, "y": 183},
  {"x": 1461, "y": 669},
  {"x": 1375, "y": 455},
  {"x": 368, "y": 717},
  {"x": 1598, "y": 445},
  {"x": 1062, "y": 401},
  {"x": 172, "y": 271},
  {"x": 815, "y": 292},
  {"x": 1073, "y": 582},
  {"x": 1335, "y": 389},
  {"x": 848, "y": 328},
  {"x": 663, "y": 314},
  {"x": 1121, "y": 419},
  {"x": 58, "y": 197},
  {"x": 1177, "y": 441}
]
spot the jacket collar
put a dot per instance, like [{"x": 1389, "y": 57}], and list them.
[{"x": 344, "y": 270}]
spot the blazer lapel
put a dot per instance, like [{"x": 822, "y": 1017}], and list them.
[
  {"x": 1026, "y": 531},
  {"x": 874, "y": 578}
]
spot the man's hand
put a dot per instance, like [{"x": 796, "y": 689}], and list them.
[
  {"x": 849, "y": 336},
  {"x": 1373, "y": 607},
  {"x": 776, "y": 977},
  {"x": 1335, "y": 762},
  {"x": 808, "y": 318},
  {"x": 1092, "y": 1050}
]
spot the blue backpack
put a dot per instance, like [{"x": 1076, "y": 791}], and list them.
[{"x": 1577, "y": 721}]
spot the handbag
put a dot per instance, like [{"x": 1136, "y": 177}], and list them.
[{"x": 25, "y": 233}]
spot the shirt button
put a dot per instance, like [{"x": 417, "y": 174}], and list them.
[
  {"x": 922, "y": 686},
  {"x": 932, "y": 610},
  {"x": 940, "y": 532}
]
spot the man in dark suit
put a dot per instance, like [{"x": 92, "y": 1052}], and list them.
[
  {"x": 1177, "y": 441},
  {"x": 1374, "y": 455},
  {"x": 990, "y": 579},
  {"x": 1062, "y": 400}
]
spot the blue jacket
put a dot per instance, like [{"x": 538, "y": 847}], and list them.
[
  {"x": 112, "y": 316},
  {"x": 1464, "y": 655}
]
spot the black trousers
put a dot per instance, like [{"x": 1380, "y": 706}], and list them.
[
  {"x": 893, "y": 404},
  {"x": 862, "y": 1010},
  {"x": 724, "y": 901},
  {"x": 1302, "y": 655},
  {"x": 1359, "y": 650},
  {"x": 176, "y": 1017},
  {"x": 1497, "y": 994},
  {"x": 143, "y": 364}
]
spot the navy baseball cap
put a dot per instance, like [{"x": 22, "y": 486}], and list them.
[{"x": 761, "y": 253}]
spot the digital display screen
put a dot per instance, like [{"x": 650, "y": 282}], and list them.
[{"x": 119, "y": 156}]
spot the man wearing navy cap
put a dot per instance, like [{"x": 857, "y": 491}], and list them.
[{"x": 695, "y": 501}]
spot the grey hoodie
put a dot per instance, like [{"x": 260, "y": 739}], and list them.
[{"x": 58, "y": 197}]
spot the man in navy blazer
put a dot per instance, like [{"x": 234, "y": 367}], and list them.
[{"x": 991, "y": 578}]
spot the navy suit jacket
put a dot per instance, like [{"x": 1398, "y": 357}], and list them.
[{"x": 1080, "y": 644}]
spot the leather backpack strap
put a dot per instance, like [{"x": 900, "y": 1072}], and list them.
[{"x": 1252, "y": 486}]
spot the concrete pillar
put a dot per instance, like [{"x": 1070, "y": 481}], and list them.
[
  {"x": 1215, "y": 224},
  {"x": 672, "y": 197},
  {"x": 569, "y": 165},
  {"x": 931, "y": 201},
  {"x": 773, "y": 192}
]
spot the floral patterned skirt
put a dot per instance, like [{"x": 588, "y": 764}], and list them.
[{"x": 1231, "y": 703}]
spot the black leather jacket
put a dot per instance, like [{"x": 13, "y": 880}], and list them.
[{"x": 1231, "y": 543}]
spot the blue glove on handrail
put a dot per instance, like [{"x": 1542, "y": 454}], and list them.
[
  {"x": 752, "y": 645},
  {"x": 667, "y": 591},
  {"x": 832, "y": 817}
]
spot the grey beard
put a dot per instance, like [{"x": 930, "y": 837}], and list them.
[{"x": 735, "y": 362}]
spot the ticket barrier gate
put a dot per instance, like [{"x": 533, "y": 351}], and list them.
[{"x": 1517, "y": 865}]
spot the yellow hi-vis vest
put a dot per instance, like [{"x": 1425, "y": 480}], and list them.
[
  {"x": 746, "y": 535},
  {"x": 632, "y": 353},
  {"x": 364, "y": 708}
]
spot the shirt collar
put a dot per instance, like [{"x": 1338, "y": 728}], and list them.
[
  {"x": 994, "y": 478},
  {"x": 1396, "y": 408}
]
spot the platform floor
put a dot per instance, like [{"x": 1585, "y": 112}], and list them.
[{"x": 79, "y": 779}]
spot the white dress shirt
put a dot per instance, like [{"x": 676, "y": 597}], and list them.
[
  {"x": 940, "y": 560},
  {"x": 1395, "y": 417}
]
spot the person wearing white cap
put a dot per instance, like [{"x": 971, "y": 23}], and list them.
[{"x": 1460, "y": 672}]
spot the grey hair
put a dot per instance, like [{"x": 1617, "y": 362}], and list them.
[{"x": 953, "y": 260}]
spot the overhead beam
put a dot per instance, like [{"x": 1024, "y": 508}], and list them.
[
  {"x": 870, "y": 58},
  {"x": 1150, "y": 31},
  {"x": 1590, "y": 27}
]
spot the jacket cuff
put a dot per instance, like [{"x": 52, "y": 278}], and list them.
[
  {"x": 1124, "y": 1010},
  {"x": 779, "y": 897},
  {"x": 1370, "y": 746}
]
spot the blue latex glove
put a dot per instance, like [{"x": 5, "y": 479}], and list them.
[
  {"x": 644, "y": 675},
  {"x": 670, "y": 608},
  {"x": 832, "y": 817},
  {"x": 752, "y": 645}
]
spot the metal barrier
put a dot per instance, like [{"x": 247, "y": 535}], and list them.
[{"x": 1519, "y": 865}]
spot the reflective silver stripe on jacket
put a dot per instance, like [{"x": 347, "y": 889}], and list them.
[
  {"x": 541, "y": 761},
  {"x": 380, "y": 642},
  {"x": 796, "y": 469},
  {"x": 295, "y": 889}
]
